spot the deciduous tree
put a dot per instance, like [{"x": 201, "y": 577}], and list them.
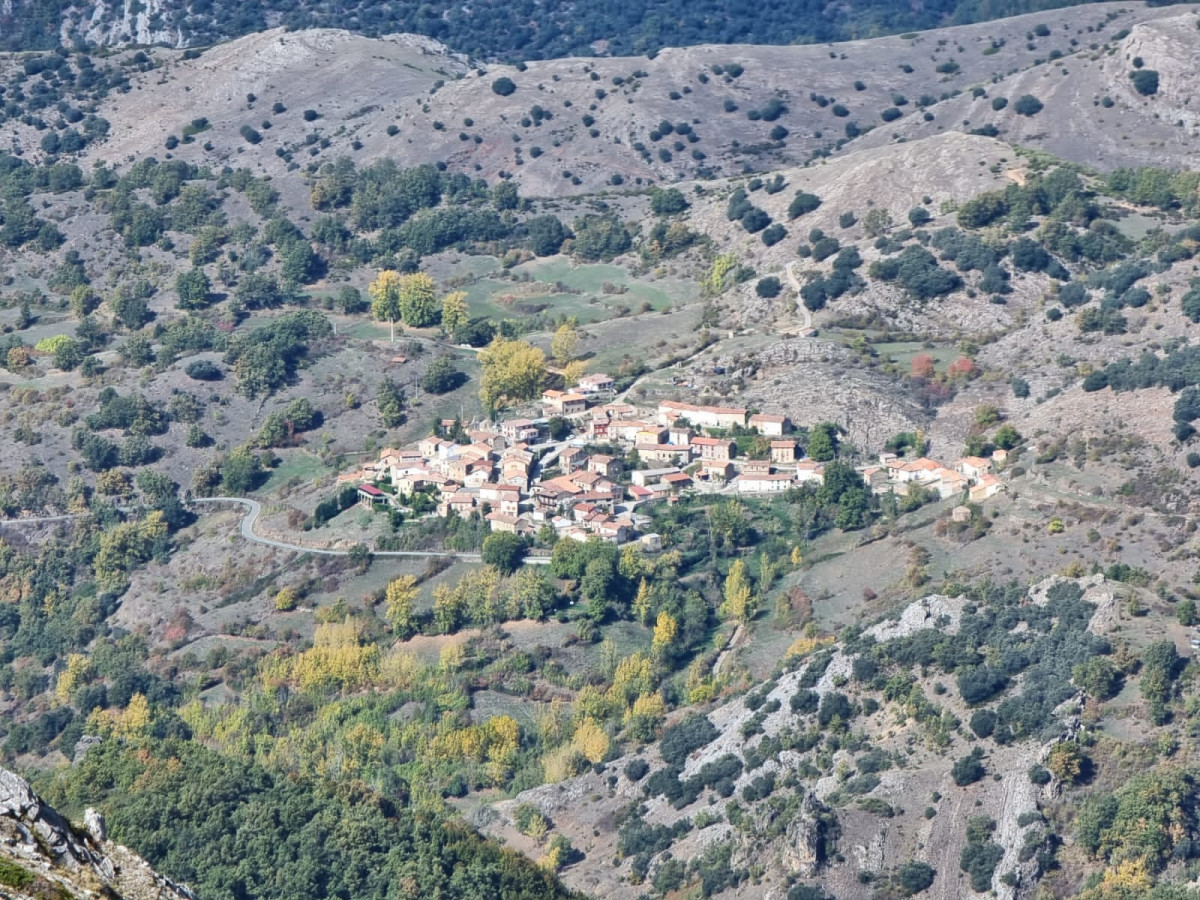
[
  {"x": 385, "y": 298},
  {"x": 512, "y": 370},
  {"x": 738, "y": 604},
  {"x": 401, "y": 597},
  {"x": 455, "y": 313},
  {"x": 417, "y": 306}
]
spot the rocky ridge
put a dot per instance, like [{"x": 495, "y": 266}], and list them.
[{"x": 42, "y": 854}]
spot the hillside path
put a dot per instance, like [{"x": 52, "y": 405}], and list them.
[{"x": 791, "y": 274}]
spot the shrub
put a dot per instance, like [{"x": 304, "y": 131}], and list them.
[
  {"x": 311, "y": 115},
  {"x": 980, "y": 684},
  {"x": 998, "y": 103},
  {"x": 768, "y": 287},
  {"x": 1027, "y": 105},
  {"x": 891, "y": 114},
  {"x": 678, "y": 741},
  {"x": 503, "y": 86},
  {"x": 803, "y": 203},
  {"x": 914, "y": 877},
  {"x": 918, "y": 216},
  {"x": 773, "y": 234},
  {"x": 755, "y": 220},
  {"x": 636, "y": 769},
  {"x": 203, "y": 370},
  {"x": 250, "y": 135},
  {"x": 1145, "y": 82},
  {"x": 968, "y": 769}
]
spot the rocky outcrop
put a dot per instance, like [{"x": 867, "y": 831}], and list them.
[
  {"x": 53, "y": 855},
  {"x": 805, "y": 839}
]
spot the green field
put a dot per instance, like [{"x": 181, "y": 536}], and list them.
[
  {"x": 499, "y": 298},
  {"x": 298, "y": 464}
]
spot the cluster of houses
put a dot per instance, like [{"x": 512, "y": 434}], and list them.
[
  {"x": 499, "y": 469},
  {"x": 972, "y": 474}
]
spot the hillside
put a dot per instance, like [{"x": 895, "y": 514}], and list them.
[
  {"x": 1090, "y": 100},
  {"x": 574, "y": 126},
  {"x": 821, "y": 800},
  {"x": 522, "y": 31},
  {"x": 734, "y": 471}
]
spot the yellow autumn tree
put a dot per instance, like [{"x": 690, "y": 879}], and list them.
[
  {"x": 700, "y": 685},
  {"x": 643, "y": 603},
  {"x": 75, "y": 673},
  {"x": 512, "y": 371},
  {"x": 590, "y": 740},
  {"x": 572, "y": 372},
  {"x": 338, "y": 658},
  {"x": 455, "y": 312},
  {"x": 400, "y": 596},
  {"x": 644, "y": 716},
  {"x": 385, "y": 298},
  {"x": 418, "y": 308},
  {"x": 634, "y": 676},
  {"x": 287, "y": 599},
  {"x": 631, "y": 563},
  {"x": 134, "y": 719},
  {"x": 565, "y": 344},
  {"x": 665, "y": 631},
  {"x": 738, "y": 604}
]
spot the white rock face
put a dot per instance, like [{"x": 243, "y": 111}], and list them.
[{"x": 40, "y": 840}]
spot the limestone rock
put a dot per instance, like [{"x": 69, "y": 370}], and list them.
[
  {"x": 79, "y": 862},
  {"x": 804, "y": 845}
]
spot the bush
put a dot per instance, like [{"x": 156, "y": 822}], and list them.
[
  {"x": 980, "y": 684},
  {"x": 503, "y": 86},
  {"x": 311, "y": 115},
  {"x": 251, "y": 136},
  {"x": 203, "y": 370},
  {"x": 914, "y": 877},
  {"x": 1145, "y": 82},
  {"x": 803, "y": 203},
  {"x": 636, "y": 769},
  {"x": 667, "y": 202},
  {"x": 441, "y": 376},
  {"x": 918, "y": 216},
  {"x": 773, "y": 234},
  {"x": 998, "y": 103},
  {"x": 768, "y": 287},
  {"x": 968, "y": 769},
  {"x": 891, "y": 114},
  {"x": 1027, "y": 105},
  {"x": 680, "y": 740}
]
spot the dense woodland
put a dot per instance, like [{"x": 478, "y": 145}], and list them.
[{"x": 529, "y": 30}]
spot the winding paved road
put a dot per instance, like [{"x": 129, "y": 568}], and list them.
[{"x": 254, "y": 510}]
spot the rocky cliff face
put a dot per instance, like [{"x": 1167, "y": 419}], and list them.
[{"x": 44, "y": 855}]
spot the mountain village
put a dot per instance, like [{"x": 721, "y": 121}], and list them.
[{"x": 523, "y": 475}]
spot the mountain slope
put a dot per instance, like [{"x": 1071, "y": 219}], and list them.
[{"x": 573, "y": 126}]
